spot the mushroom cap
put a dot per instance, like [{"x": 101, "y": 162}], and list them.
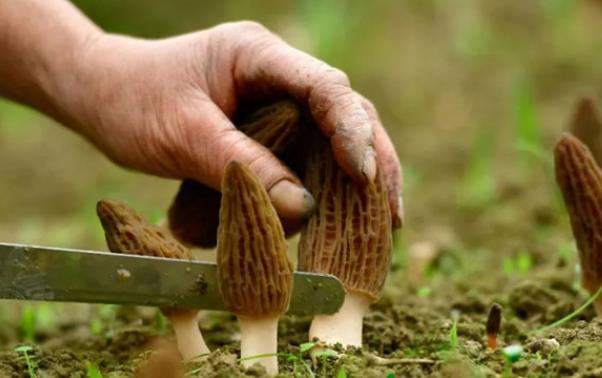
[
  {"x": 580, "y": 181},
  {"x": 193, "y": 216},
  {"x": 254, "y": 272},
  {"x": 349, "y": 235},
  {"x": 494, "y": 319},
  {"x": 126, "y": 231},
  {"x": 587, "y": 127},
  {"x": 274, "y": 126}
]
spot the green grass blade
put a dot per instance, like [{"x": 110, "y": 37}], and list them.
[{"x": 571, "y": 315}]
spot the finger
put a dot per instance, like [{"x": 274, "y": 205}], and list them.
[
  {"x": 388, "y": 164},
  {"x": 325, "y": 90},
  {"x": 214, "y": 142}
]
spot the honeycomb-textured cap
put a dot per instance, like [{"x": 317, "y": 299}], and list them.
[
  {"x": 273, "y": 126},
  {"x": 349, "y": 235},
  {"x": 127, "y": 232},
  {"x": 193, "y": 216},
  {"x": 587, "y": 127},
  {"x": 254, "y": 272},
  {"x": 580, "y": 182}
]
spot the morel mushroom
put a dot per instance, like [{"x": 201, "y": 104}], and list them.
[
  {"x": 587, "y": 127},
  {"x": 580, "y": 181},
  {"x": 193, "y": 216},
  {"x": 349, "y": 236},
  {"x": 493, "y": 325},
  {"x": 254, "y": 272},
  {"x": 127, "y": 232}
]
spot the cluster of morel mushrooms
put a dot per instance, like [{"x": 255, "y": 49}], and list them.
[{"x": 348, "y": 236}]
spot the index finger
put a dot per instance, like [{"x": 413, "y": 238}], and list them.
[{"x": 337, "y": 110}]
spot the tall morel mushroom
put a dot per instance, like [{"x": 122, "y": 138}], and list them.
[
  {"x": 193, "y": 216},
  {"x": 254, "y": 272},
  {"x": 127, "y": 232},
  {"x": 580, "y": 181},
  {"x": 348, "y": 236}
]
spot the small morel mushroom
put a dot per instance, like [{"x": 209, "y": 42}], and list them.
[
  {"x": 349, "y": 236},
  {"x": 254, "y": 272},
  {"x": 193, "y": 216},
  {"x": 580, "y": 181},
  {"x": 587, "y": 127},
  {"x": 494, "y": 323},
  {"x": 127, "y": 232}
]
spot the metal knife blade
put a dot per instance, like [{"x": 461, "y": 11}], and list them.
[{"x": 69, "y": 275}]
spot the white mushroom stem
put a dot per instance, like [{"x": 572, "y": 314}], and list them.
[
  {"x": 259, "y": 336},
  {"x": 345, "y": 326},
  {"x": 188, "y": 335}
]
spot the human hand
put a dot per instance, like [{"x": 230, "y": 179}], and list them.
[{"x": 164, "y": 107}]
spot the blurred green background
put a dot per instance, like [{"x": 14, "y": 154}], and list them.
[{"x": 473, "y": 94}]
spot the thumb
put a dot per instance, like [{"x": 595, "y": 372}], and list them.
[{"x": 215, "y": 142}]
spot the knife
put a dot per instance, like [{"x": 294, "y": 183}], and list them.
[{"x": 36, "y": 273}]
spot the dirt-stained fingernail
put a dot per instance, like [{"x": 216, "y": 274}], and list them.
[
  {"x": 292, "y": 201},
  {"x": 369, "y": 165}
]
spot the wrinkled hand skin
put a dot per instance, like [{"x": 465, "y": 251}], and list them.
[{"x": 164, "y": 106}]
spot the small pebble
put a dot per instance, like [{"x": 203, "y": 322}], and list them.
[
  {"x": 543, "y": 346},
  {"x": 472, "y": 348}
]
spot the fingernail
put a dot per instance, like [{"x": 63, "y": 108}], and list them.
[
  {"x": 369, "y": 165},
  {"x": 292, "y": 201}
]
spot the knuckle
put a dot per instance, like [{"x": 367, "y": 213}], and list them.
[
  {"x": 367, "y": 104},
  {"x": 264, "y": 167},
  {"x": 325, "y": 96},
  {"x": 253, "y": 27},
  {"x": 337, "y": 77},
  {"x": 228, "y": 145}
]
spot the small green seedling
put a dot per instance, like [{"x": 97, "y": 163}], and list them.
[
  {"x": 300, "y": 366},
  {"x": 324, "y": 355},
  {"x": 92, "y": 370},
  {"x": 24, "y": 350},
  {"x": 96, "y": 327},
  {"x": 28, "y": 324},
  {"x": 424, "y": 291},
  {"x": 521, "y": 263},
  {"x": 512, "y": 354},
  {"x": 160, "y": 321},
  {"x": 453, "y": 334},
  {"x": 341, "y": 373}
]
